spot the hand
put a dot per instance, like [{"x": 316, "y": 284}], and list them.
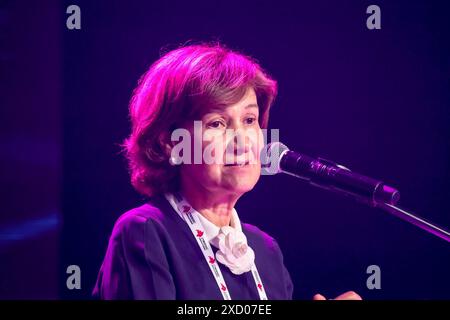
[{"x": 349, "y": 295}]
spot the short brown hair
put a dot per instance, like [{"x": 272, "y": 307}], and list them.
[{"x": 176, "y": 88}]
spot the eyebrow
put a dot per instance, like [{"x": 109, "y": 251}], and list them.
[{"x": 220, "y": 110}]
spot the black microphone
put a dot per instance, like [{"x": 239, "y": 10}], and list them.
[{"x": 276, "y": 157}]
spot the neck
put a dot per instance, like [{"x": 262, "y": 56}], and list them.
[{"x": 214, "y": 206}]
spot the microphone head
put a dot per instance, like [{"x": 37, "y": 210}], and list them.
[{"x": 271, "y": 156}]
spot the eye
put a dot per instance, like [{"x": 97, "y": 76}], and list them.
[
  {"x": 216, "y": 124},
  {"x": 250, "y": 120}
]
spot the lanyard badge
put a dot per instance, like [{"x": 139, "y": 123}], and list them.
[{"x": 190, "y": 216}]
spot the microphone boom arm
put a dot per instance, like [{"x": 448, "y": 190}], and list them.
[
  {"x": 329, "y": 175},
  {"x": 415, "y": 220}
]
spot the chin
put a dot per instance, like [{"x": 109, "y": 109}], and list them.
[
  {"x": 242, "y": 186},
  {"x": 241, "y": 189}
]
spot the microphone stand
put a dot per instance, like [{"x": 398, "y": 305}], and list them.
[{"x": 415, "y": 220}]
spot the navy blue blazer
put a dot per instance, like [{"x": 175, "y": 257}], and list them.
[{"x": 152, "y": 254}]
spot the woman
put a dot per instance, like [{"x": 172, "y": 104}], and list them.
[{"x": 187, "y": 241}]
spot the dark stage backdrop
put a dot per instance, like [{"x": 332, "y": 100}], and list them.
[
  {"x": 31, "y": 106},
  {"x": 376, "y": 101}
]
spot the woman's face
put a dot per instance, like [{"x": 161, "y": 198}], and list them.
[{"x": 231, "y": 142}]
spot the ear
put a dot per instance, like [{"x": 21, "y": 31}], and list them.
[{"x": 166, "y": 144}]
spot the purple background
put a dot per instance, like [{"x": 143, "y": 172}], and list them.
[{"x": 376, "y": 101}]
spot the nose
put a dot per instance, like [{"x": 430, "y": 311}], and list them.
[
  {"x": 238, "y": 148},
  {"x": 241, "y": 143}
]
